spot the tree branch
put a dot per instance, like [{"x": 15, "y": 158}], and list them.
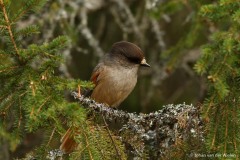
[
  {"x": 154, "y": 133},
  {"x": 9, "y": 28}
]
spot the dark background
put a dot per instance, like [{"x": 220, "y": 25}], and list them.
[{"x": 169, "y": 32}]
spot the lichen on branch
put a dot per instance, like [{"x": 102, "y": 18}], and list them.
[{"x": 154, "y": 134}]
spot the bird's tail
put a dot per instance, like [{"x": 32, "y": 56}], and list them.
[{"x": 68, "y": 144}]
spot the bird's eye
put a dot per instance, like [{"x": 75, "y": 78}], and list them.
[{"x": 135, "y": 60}]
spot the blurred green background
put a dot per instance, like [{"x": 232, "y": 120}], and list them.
[{"x": 169, "y": 32}]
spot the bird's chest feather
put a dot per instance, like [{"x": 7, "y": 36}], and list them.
[
  {"x": 122, "y": 79},
  {"x": 115, "y": 86}
]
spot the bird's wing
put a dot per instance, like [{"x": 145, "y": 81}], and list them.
[
  {"x": 95, "y": 78},
  {"x": 96, "y": 75}
]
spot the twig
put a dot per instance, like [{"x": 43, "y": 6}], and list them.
[
  {"x": 54, "y": 129},
  {"x": 109, "y": 134},
  {"x": 23, "y": 12},
  {"x": 20, "y": 109},
  {"x": 8, "y": 25},
  {"x": 9, "y": 68},
  {"x": 99, "y": 147},
  {"x": 79, "y": 90},
  {"x": 93, "y": 42},
  {"x": 159, "y": 34},
  {"x": 131, "y": 19},
  {"x": 39, "y": 109},
  {"x": 226, "y": 130},
  {"x": 234, "y": 132},
  {"x": 215, "y": 130},
  {"x": 87, "y": 146},
  {"x": 1, "y": 26}
]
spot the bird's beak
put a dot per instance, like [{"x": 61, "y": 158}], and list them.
[{"x": 144, "y": 63}]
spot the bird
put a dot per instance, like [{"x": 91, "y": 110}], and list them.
[{"x": 114, "y": 78}]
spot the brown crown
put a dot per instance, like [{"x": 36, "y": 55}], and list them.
[{"x": 128, "y": 50}]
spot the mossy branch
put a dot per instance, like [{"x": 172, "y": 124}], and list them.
[{"x": 155, "y": 133}]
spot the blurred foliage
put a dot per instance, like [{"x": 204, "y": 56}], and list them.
[
  {"x": 169, "y": 33},
  {"x": 33, "y": 102},
  {"x": 220, "y": 63}
]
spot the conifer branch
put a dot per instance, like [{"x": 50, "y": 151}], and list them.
[
  {"x": 226, "y": 132},
  {"x": 87, "y": 146},
  {"x": 1, "y": 26},
  {"x": 24, "y": 11},
  {"x": 51, "y": 136},
  {"x": 9, "y": 68},
  {"x": 9, "y": 28},
  {"x": 39, "y": 109},
  {"x": 99, "y": 146},
  {"x": 234, "y": 136},
  {"x": 215, "y": 133},
  {"x": 109, "y": 134}
]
